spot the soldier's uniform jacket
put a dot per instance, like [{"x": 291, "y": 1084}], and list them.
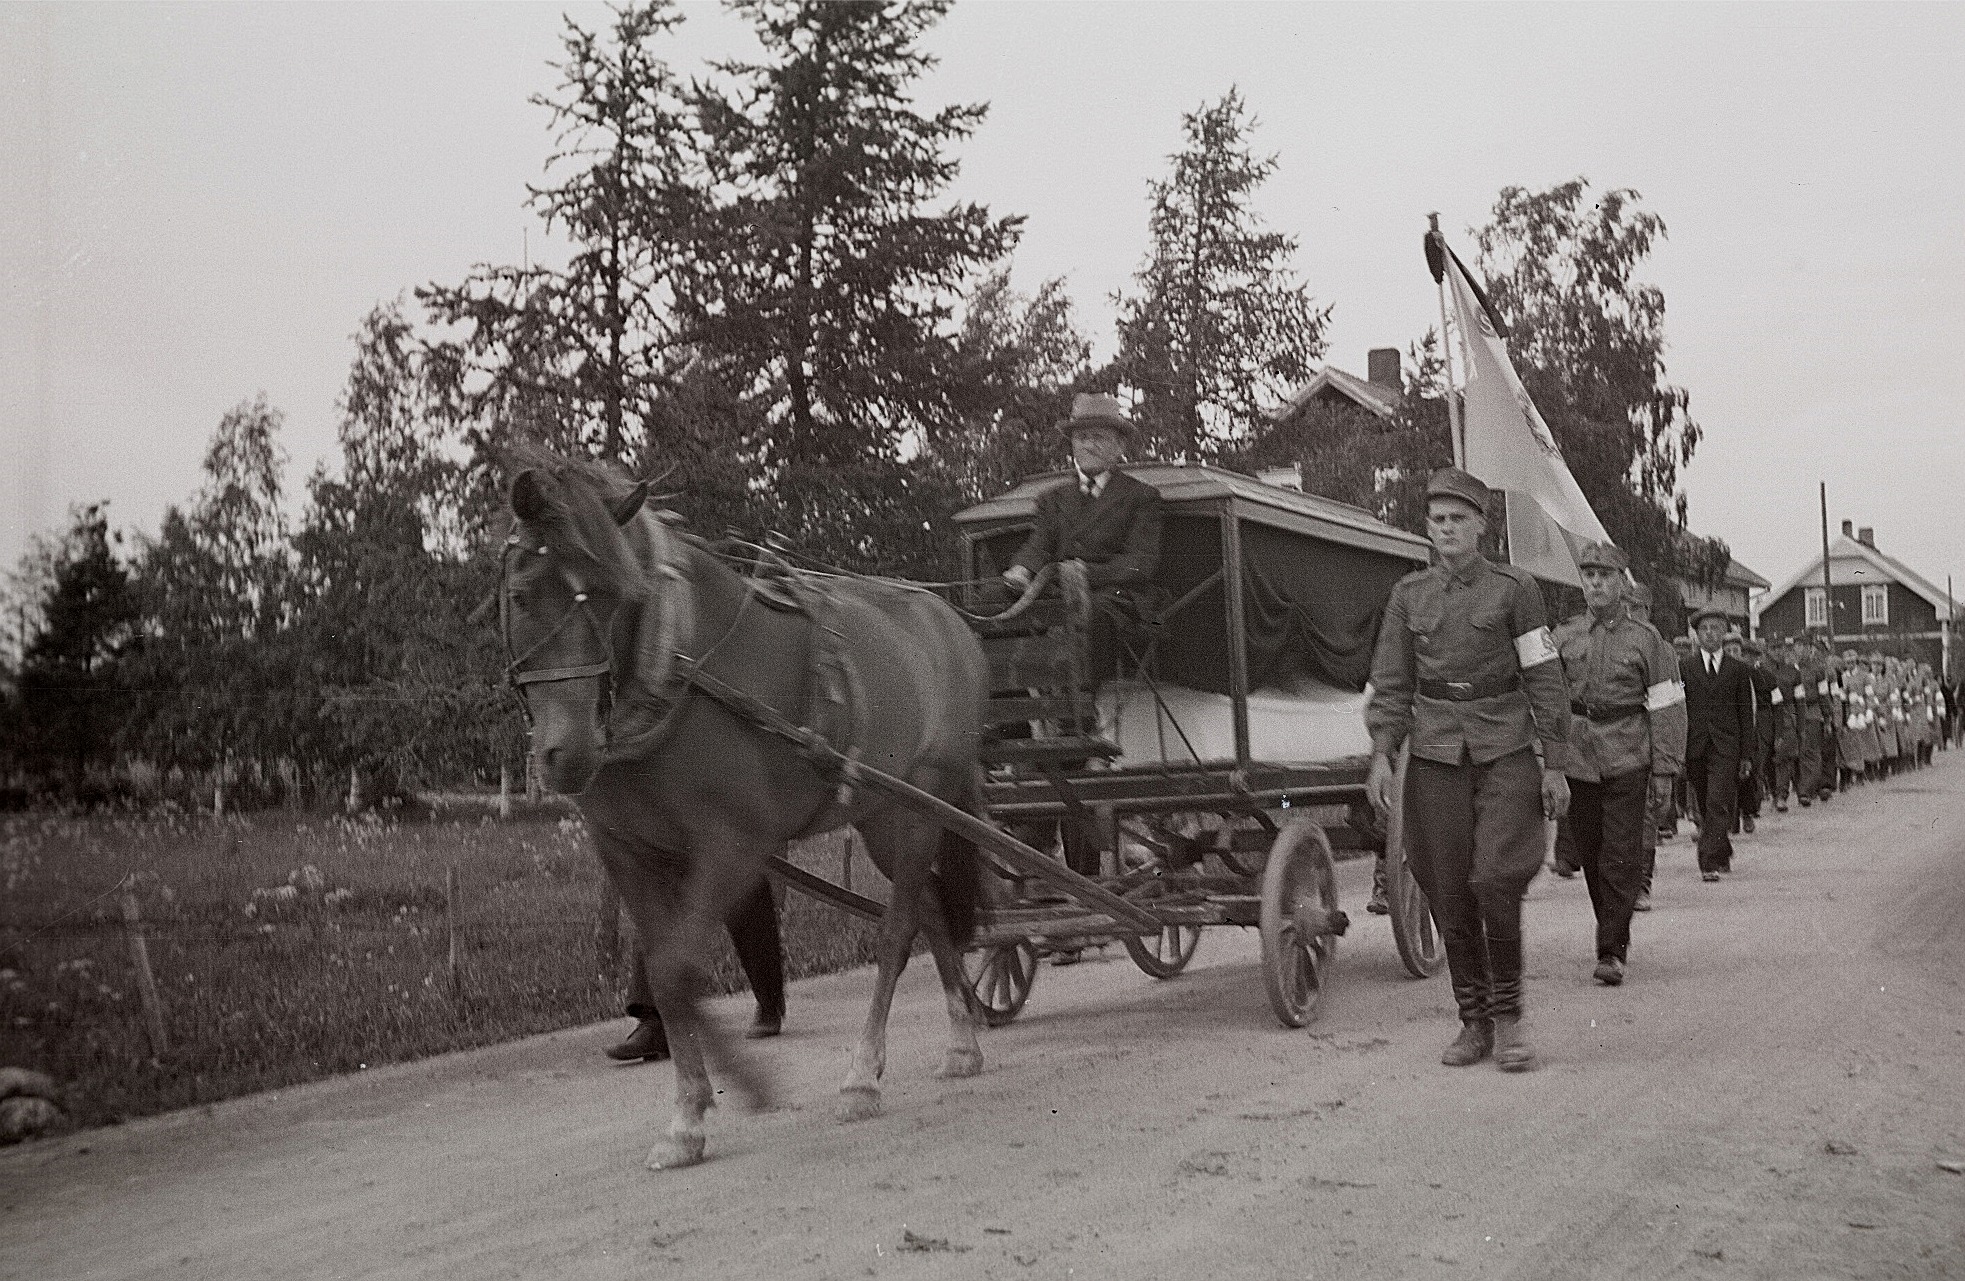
[
  {"x": 1626, "y": 703},
  {"x": 1467, "y": 669}
]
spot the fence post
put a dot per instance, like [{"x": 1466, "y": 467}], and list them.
[
  {"x": 146, "y": 982},
  {"x": 450, "y": 924},
  {"x": 505, "y": 791}
]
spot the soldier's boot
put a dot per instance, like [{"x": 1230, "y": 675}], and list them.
[
  {"x": 1512, "y": 1052},
  {"x": 1466, "y": 960},
  {"x": 1378, "y": 905}
]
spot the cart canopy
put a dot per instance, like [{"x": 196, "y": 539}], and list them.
[{"x": 1315, "y": 574}]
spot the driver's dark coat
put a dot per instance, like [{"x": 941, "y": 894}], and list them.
[{"x": 1116, "y": 534}]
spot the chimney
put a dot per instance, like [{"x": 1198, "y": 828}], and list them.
[
  {"x": 1848, "y": 529},
  {"x": 1383, "y": 369},
  {"x": 1866, "y": 536}
]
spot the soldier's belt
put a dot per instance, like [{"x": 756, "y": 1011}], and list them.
[
  {"x": 1468, "y": 691},
  {"x": 1602, "y": 712}
]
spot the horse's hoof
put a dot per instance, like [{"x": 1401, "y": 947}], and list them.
[
  {"x": 677, "y": 1152},
  {"x": 960, "y": 1063},
  {"x": 856, "y": 1104}
]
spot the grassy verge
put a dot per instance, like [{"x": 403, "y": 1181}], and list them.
[{"x": 288, "y": 947}]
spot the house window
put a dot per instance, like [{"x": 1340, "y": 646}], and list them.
[
  {"x": 1816, "y": 602},
  {"x": 1876, "y": 605}
]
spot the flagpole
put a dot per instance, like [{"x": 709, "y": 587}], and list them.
[{"x": 1446, "y": 352}]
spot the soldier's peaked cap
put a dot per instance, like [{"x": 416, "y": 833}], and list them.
[
  {"x": 1096, "y": 409},
  {"x": 1451, "y": 482},
  {"x": 1602, "y": 556}
]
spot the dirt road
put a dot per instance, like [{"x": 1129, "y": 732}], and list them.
[{"x": 1770, "y": 1095}]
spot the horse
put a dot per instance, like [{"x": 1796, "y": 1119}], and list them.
[{"x": 611, "y": 616}]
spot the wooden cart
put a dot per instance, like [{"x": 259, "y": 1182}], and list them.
[{"x": 1210, "y": 781}]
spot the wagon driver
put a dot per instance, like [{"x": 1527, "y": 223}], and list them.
[
  {"x": 1467, "y": 672},
  {"x": 1103, "y": 519}
]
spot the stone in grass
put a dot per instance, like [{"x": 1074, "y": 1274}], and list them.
[
  {"x": 26, "y": 1117},
  {"x": 16, "y": 1081}
]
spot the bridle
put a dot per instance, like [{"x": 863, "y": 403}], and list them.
[
  {"x": 518, "y": 676},
  {"x": 638, "y": 707}
]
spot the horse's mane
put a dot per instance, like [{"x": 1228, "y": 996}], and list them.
[{"x": 586, "y": 528}]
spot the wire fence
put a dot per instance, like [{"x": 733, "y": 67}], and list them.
[{"x": 150, "y": 964}]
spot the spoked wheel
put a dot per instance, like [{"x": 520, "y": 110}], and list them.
[
  {"x": 1412, "y": 918},
  {"x": 1165, "y": 954},
  {"x": 1300, "y": 921},
  {"x": 1000, "y": 978}
]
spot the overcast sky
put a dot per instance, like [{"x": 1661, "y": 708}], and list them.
[{"x": 201, "y": 203}]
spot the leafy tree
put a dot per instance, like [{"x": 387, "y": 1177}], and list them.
[
  {"x": 822, "y": 278},
  {"x": 70, "y": 692},
  {"x": 1588, "y": 339},
  {"x": 214, "y": 591},
  {"x": 391, "y": 561},
  {"x": 1220, "y": 330}
]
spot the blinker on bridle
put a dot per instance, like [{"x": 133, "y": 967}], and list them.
[{"x": 517, "y": 676}]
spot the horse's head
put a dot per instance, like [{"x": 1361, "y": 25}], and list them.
[{"x": 569, "y": 588}]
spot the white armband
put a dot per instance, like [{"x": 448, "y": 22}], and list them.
[
  {"x": 1775, "y": 698},
  {"x": 1662, "y": 695},
  {"x": 1535, "y": 648},
  {"x": 1801, "y": 691},
  {"x": 1822, "y": 687}
]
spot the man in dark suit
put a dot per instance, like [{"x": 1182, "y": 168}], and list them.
[
  {"x": 1719, "y": 710},
  {"x": 1101, "y": 518}
]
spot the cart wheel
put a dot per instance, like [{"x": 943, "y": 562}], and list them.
[
  {"x": 1000, "y": 978},
  {"x": 1165, "y": 954},
  {"x": 1412, "y": 918},
  {"x": 1300, "y": 921}
]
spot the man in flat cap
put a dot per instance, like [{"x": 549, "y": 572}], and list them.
[
  {"x": 1719, "y": 726},
  {"x": 1101, "y": 518},
  {"x": 1626, "y": 743},
  {"x": 1467, "y": 674}
]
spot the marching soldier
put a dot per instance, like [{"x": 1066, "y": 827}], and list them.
[
  {"x": 1467, "y": 674},
  {"x": 1807, "y": 692},
  {"x": 1626, "y": 744},
  {"x": 1753, "y": 753},
  {"x": 1851, "y": 750},
  {"x": 1658, "y": 801},
  {"x": 1786, "y": 751}
]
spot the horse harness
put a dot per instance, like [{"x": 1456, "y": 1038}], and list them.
[{"x": 641, "y": 710}]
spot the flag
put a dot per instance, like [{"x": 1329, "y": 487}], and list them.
[{"x": 1505, "y": 442}]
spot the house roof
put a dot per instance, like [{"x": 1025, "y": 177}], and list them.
[
  {"x": 1861, "y": 563},
  {"x": 1738, "y": 575},
  {"x": 1368, "y": 396}
]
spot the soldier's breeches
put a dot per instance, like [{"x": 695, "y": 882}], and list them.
[
  {"x": 1608, "y": 819},
  {"x": 1810, "y": 780},
  {"x": 1474, "y": 835}
]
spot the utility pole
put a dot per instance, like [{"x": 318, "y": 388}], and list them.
[{"x": 1828, "y": 589}]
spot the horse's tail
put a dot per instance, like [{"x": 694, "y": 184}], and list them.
[{"x": 959, "y": 874}]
